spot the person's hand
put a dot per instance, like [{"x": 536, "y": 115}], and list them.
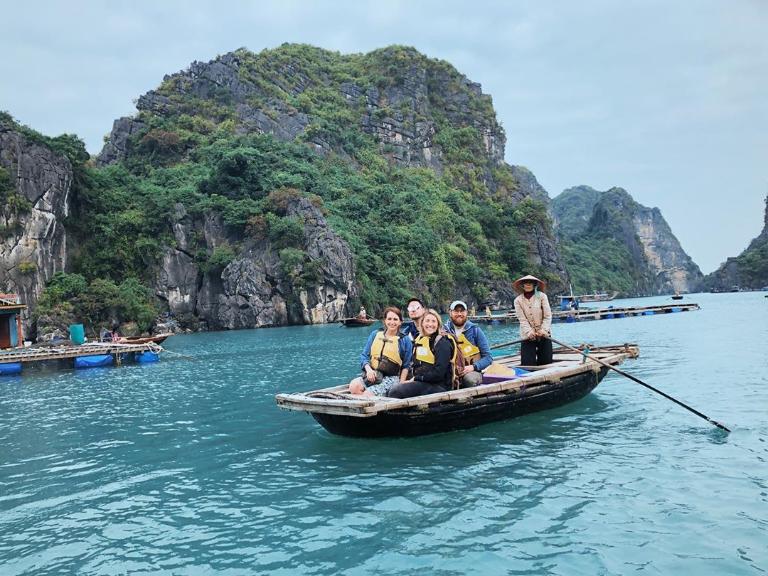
[
  {"x": 532, "y": 336},
  {"x": 406, "y": 381},
  {"x": 467, "y": 369},
  {"x": 370, "y": 375}
]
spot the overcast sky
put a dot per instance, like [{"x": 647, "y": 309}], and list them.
[{"x": 666, "y": 99}]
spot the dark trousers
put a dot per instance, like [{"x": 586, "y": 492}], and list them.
[
  {"x": 536, "y": 352},
  {"x": 416, "y": 388}
]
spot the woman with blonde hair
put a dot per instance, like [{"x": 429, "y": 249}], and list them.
[{"x": 433, "y": 356}]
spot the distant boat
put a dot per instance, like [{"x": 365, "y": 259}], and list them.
[
  {"x": 143, "y": 340},
  {"x": 357, "y": 322},
  {"x": 598, "y": 296},
  {"x": 677, "y": 297}
]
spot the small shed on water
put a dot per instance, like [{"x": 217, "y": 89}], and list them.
[{"x": 11, "y": 332}]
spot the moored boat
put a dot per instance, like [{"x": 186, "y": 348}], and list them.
[
  {"x": 355, "y": 322},
  {"x": 500, "y": 397},
  {"x": 598, "y": 296},
  {"x": 157, "y": 339}
]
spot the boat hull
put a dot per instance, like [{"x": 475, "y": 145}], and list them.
[
  {"x": 357, "y": 322},
  {"x": 472, "y": 412}
]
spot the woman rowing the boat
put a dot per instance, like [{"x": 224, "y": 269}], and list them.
[
  {"x": 386, "y": 357},
  {"x": 535, "y": 317},
  {"x": 433, "y": 360}
]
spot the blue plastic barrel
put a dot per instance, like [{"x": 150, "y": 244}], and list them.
[
  {"x": 77, "y": 333},
  {"x": 8, "y": 368},
  {"x": 93, "y": 361},
  {"x": 648, "y": 313},
  {"x": 676, "y": 309},
  {"x": 146, "y": 357}
]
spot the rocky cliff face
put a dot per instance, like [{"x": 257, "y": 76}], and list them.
[
  {"x": 257, "y": 288},
  {"x": 658, "y": 262},
  {"x": 400, "y": 114},
  {"x": 748, "y": 270},
  {"x": 673, "y": 269},
  {"x": 33, "y": 245}
]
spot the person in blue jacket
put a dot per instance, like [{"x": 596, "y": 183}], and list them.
[
  {"x": 416, "y": 310},
  {"x": 473, "y": 343},
  {"x": 386, "y": 357}
]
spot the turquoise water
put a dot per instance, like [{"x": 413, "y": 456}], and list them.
[{"x": 187, "y": 466}]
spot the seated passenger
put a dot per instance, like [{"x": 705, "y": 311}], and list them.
[
  {"x": 433, "y": 357},
  {"x": 473, "y": 342},
  {"x": 362, "y": 314},
  {"x": 386, "y": 357},
  {"x": 416, "y": 310}
]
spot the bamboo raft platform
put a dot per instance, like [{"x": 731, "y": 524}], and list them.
[
  {"x": 63, "y": 352},
  {"x": 594, "y": 313},
  {"x": 567, "y": 379}
]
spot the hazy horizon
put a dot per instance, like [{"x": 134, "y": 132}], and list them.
[{"x": 661, "y": 100}]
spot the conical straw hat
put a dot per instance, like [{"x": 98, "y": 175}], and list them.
[{"x": 518, "y": 284}]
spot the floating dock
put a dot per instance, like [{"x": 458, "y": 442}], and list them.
[
  {"x": 594, "y": 313},
  {"x": 85, "y": 355}
]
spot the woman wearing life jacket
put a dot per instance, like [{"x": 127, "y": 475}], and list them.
[
  {"x": 535, "y": 317},
  {"x": 433, "y": 357},
  {"x": 386, "y": 358}
]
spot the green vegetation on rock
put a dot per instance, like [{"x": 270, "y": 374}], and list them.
[{"x": 200, "y": 148}]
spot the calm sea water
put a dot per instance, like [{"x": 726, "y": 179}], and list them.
[{"x": 188, "y": 467}]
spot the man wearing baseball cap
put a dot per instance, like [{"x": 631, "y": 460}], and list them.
[{"x": 473, "y": 343}]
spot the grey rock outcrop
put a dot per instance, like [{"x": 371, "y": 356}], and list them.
[
  {"x": 674, "y": 270},
  {"x": 35, "y": 248},
  {"x": 116, "y": 146},
  {"x": 399, "y": 115},
  {"x": 256, "y": 289}
]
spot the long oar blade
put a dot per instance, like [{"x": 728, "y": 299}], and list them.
[{"x": 675, "y": 400}]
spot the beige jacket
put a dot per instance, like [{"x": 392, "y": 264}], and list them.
[{"x": 534, "y": 314}]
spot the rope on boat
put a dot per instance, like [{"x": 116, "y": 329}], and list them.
[{"x": 328, "y": 395}]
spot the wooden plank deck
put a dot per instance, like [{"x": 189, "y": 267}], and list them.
[
  {"x": 594, "y": 313},
  {"x": 39, "y": 354}
]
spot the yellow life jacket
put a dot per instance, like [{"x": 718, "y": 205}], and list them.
[
  {"x": 422, "y": 352},
  {"x": 385, "y": 347},
  {"x": 470, "y": 351}
]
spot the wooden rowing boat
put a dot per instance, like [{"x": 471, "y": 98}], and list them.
[
  {"x": 144, "y": 340},
  {"x": 597, "y": 296},
  {"x": 567, "y": 379},
  {"x": 356, "y": 322}
]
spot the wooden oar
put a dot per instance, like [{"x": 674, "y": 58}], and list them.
[
  {"x": 676, "y": 401},
  {"x": 506, "y": 344}
]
